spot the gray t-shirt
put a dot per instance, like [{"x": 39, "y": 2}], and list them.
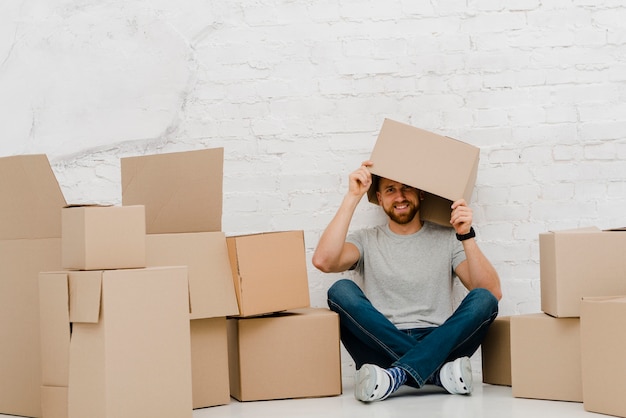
[{"x": 409, "y": 278}]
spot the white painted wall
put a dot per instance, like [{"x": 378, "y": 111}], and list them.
[{"x": 296, "y": 91}]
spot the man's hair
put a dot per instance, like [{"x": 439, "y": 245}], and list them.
[{"x": 375, "y": 182}]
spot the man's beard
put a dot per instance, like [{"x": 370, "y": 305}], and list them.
[{"x": 404, "y": 218}]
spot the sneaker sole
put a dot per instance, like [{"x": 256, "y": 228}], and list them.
[{"x": 368, "y": 384}]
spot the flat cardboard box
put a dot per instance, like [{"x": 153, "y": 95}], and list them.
[
  {"x": 209, "y": 362},
  {"x": 603, "y": 338},
  {"x": 545, "y": 357},
  {"x": 182, "y": 191},
  {"x": 580, "y": 263},
  {"x": 30, "y": 242},
  {"x": 269, "y": 272},
  {"x": 103, "y": 237},
  {"x": 211, "y": 287},
  {"x": 294, "y": 354},
  {"x": 119, "y": 365},
  {"x": 496, "y": 352},
  {"x": 444, "y": 168}
]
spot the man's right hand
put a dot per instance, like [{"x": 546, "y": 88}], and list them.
[{"x": 360, "y": 179}]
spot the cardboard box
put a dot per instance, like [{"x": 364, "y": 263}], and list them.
[
  {"x": 211, "y": 287},
  {"x": 496, "y": 352},
  {"x": 30, "y": 242},
  {"x": 103, "y": 237},
  {"x": 269, "y": 272},
  {"x": 545, "y": 357},
  {"x": 182, "y": 191},
  {"x": 294, "y": 354},
  {"x": 209, "y": 362},
  {"x": 580, "y": 263},
  {"x": 445, "y": 168},
  {"x": 119, "y": 365},
  {"x": 603, "y": 338}
]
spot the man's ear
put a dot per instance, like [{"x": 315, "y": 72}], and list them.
[
  {"x": 380, "y": 202},
  {"x": 422, "y": 195}
]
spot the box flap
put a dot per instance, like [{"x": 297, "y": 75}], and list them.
[
  {"x": 31, "y": 198},
  {"x": 182, "y": 191},
  {"x": 85, "y": 296},
  {"x": 444, "y": 167},
  {"x": 211, "y": 287}
]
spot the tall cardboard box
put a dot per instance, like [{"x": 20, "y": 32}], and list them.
[
  {"x": 182, "y": 191},
  {"x": 293, "y": 354},
  {"x": 580, "y": 263},
  {"x": 496, "y": 352},
  {"x": 103, "y": 237},
  {"x": 269, "y": 272},
  {"x": 212, "y": 297},
  {"x": 129, "y": 347},
  {"x": 603, "y": 339},
  {"x": 30, "y": 242},
  {"x": 545, "y": 357},
  {"x": 444, "y": 168}
]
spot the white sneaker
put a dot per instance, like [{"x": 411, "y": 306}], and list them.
[
  {"x": 372, "y": 383},
  {"x": 456, "y": 376}
]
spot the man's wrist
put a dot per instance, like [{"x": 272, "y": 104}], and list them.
[{"x": 470, "y": 234}]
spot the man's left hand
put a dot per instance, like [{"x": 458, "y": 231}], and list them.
[{"x": 461, "y": 218}]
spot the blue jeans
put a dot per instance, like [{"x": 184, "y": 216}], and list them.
[{"x": 370, "y": 337}]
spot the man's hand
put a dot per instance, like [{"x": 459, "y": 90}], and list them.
[
  {"x": 360, "y": 180},
  {"x": 461, "y": 218}
]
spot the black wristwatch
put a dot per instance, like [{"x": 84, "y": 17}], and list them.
[{"x": 470, "y": 234}]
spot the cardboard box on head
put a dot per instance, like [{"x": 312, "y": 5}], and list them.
[{"x": 443, "y": 167}]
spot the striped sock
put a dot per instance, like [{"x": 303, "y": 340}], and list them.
[{"x": 398, "y": 378}]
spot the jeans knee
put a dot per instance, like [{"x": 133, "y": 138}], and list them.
[
  {"x": 484, "y": 302},
  {"x": 342, "y": 292}
]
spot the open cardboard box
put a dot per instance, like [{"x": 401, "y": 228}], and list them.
[
  {"x": 128, "y": 352},
  {"x": 443, "y": 167},
  {"x": 30, "y": 242},
  {"x": 580, "y": 263},
  {"x": 212, "y": 297}
]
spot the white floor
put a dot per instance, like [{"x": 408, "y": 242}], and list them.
[{"x": 486, "y": 401}]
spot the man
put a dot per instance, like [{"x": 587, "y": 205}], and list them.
[{"x": 401, "y": 328}]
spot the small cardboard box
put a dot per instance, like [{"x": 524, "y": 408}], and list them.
[
  {"x": 118, "y": 364},
  {"x": 182, "y": 191},
  {"x": 545, "y": 357},
  {"x": 211, "y": 287},
  {"x": 444, "y": 168},
  {"x": 294, "y": 354},
  {"x": 269, "y": 272},
  {"x": 496, "y": 352},
  {"x": 30, "y": 242},
  {"x": 209, "y": 362},
  {"x": 103, "y": 237},
  {"x": 580, "y": 263},
  {"x": 603, "y": 338}
]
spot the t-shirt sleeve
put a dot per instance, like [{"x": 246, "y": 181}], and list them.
[{"x": 356, "y": 238}]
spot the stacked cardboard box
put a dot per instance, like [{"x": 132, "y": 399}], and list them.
[
  {"x": 102, "y": 329},
  {"x": 239, "y": 277},
  {"x": 552, "y": 353},
  {"x": 182, "y": 194},
  {"x": 30, "y": 242}
]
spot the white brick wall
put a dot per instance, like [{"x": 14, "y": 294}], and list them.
[{"x": 295, "y": 91}]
